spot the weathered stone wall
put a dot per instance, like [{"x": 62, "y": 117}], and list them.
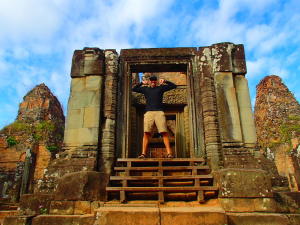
[
  {"x": 89, "y": 142},
  {"x": 85, "y": 101},
  {"x": 108, "y": 135},
  {"x": 82, "y": 132},
  {"x": 227, "y": 115},
  {"x": 38, "y": 132},
  {"x": 277, "y": 118},
  {"x": 208, "y": 103},
  {"x": 232, "y": 91}
]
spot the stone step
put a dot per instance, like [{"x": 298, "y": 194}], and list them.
[
  {"x": 160, "y": 215},
  {"x": 8, "y": 207},
  {"x": 87, "y": 219},
  {"x": 6, "y": 213},
  {"x": 263, "y": 218}
]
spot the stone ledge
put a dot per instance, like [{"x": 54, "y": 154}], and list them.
[
  {"x": 17, "y": 220},
  {"x": 244, "y": 183},
  {"x": 262, "y": 219},
  {"x": 243, "y": 205},
  {"x": 160, "y": 215},
  {"x": 87, "y": 219},
  {"x": 127, "y": 216}
]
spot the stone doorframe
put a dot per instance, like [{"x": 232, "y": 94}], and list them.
[{"x": 158, "y": 60}]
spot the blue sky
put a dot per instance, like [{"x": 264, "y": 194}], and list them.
[{"x": 38, "y": 37}]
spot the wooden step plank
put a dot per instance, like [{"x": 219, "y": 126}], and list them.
[
  {"x": 187, "y": 177},
  {"x": 182, "y": 188},
  {"x": 161, "y": 198},
  {"x": 160, "y": 159},
  {"x": 144, "y": 168},
  {"x": 200, "y": 197}
]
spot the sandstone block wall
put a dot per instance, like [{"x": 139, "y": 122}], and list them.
[
  {"x": 229, "y": 128},
  {"x": 85, "y": 101}
]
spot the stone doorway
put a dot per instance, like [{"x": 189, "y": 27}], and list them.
[
  {"x": 176, "y": 111},
  {"x": 133, "y": 62}
]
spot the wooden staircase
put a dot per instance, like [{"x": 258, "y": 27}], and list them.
[{"x": 161, "y": 179}]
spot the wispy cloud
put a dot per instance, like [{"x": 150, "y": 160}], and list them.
[{"x": 38, "y": 37}]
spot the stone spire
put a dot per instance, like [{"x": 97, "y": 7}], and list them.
[
  {"x": 40, "y": 104},
  {"x": 275, "y": 107}
]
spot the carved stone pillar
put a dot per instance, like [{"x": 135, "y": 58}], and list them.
[
  {"x": 246, "y": 114},
  {"x": 85, "y": 103},
  {"x": 108, "y": 136},
  {"x": 209, "y": 110},
  {"x": 228, "y": 107},
  {"x": 223, "y": 67}
]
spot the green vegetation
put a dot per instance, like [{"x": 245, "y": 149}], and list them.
[
  {"x": 17, "y": 126},
  {"x": 43, "y": 210},
  {"x": 11, "y": 141},
  {"x": 44, "y": 127},
  {"x": 294, "y": 117},
  {"x": 44, "y": 131},
  {"x": 52, "y": 148},
  {"x": 289, "y": 129}
]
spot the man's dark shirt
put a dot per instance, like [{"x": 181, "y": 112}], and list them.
[{"x": 154, "y": 96}]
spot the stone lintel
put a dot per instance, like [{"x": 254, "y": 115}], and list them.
[
  {"x": 225, "y": 57},
  {"x": 239, "y": 60},
  {"x": 221, "y": 54},
  {"x": 89, "y": 61},
  {"x": 157, "y": 52}
]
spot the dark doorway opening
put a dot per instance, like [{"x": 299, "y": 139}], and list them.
[{"x": 176, "y": 111}]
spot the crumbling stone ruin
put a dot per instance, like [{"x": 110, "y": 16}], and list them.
[
  {"x": 218, "y": 175},
  {"x": 29, "y": 144},
  {"x": 277, "y": 118}
]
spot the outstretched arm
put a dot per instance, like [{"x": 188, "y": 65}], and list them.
[
  {"x": 138, "y": 88},
  {"x": 169, "y": 85}
]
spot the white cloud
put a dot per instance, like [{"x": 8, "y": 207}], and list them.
[
  {"x": 255, "y": 68},
  {"x": 38, "y": 37},
  {"x": 23, "y": 19}
]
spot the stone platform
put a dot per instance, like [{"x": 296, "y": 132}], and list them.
[
  {"x": 179, "y": 213},
  {"x": 6, "y": 213},
  {"x": 185, "y": 213},
  {"x": 152, "y": 213}
]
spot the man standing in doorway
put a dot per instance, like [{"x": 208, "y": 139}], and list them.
[{"x": 154, "y": 111}]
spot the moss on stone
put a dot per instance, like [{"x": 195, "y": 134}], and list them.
[
  {"x": 20, "y": 132},
  {"x": 289, "y": 129},
  {"x": 11, "y": 141}
]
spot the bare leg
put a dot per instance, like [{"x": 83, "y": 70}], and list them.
[
  {"x": 145, "y": 142},
  {"x": 167, "y": 142}
]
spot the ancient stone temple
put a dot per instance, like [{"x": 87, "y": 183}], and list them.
[{"x": 216, "y": 176}]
